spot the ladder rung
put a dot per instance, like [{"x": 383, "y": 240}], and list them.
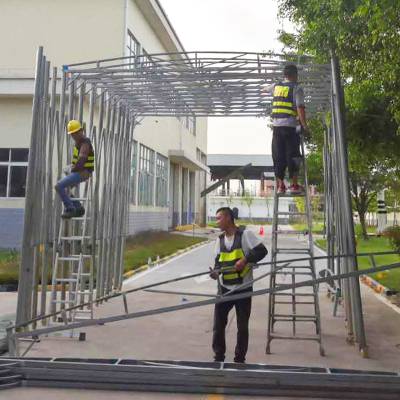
[
  {"x": 291, "y": 251},
  {"x": 68, "y": 258},
  {"x": 66, "y": 280},
  {"x": 287, "y": 232},
  {"x": 63, "y": 301},
  {"x": 85, "y": 292},
  {"x": 285, "y": 337},
  {"x": 293, "y": 273},
  {"x": 74, "y": 237},
  {"x": 77, "y": 318},
  {"x": 294, "y": 316},
  {"x": 295, "y": 302},
  {"x": 294, "y": 294},
  {"x": 82, "y": 273},
  {"x": 287, "y": 194},
  {"x": 79, "y": 199},
  {"x": 290, "y": 213},
  {"x": 80, "y": 218},
  {"x": 83, "y": 311}
]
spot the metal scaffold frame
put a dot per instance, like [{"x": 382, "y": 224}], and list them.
[{"x": 109, "y": 96}]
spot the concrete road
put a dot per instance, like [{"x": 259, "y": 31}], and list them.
[{"x": 186, "y": 335}]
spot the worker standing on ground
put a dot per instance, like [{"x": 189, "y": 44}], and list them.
[
  {"x": 287, "y": 110},
  {"x": 235, "y": 249},
  {"x": 81, "y": 169}
]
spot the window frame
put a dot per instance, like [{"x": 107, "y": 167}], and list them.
[{"x": 9, "y": 164}]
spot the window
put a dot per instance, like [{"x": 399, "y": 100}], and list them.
[
  {"x": 13, "y": 169},
  {"x": 133, "y": 45},
  {"x": 146, "y": 176},
  {"x": 161, "y": 181},
  {"x": 134, "y": 172}
]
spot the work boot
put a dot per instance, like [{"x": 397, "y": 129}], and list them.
[
  {"x": 296, "y": 189},
  {"x": 79, "y": 212},
  {"x": 68, "y": 213},
  {"x": 218, "y": 358},
  {"x": 239, "y": 360},
  {"x": 281, "y": 188}
]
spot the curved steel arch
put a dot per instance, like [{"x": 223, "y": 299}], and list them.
[{"x": 202, "y": 83}]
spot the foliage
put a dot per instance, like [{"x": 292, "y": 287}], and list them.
[
  {"x": 393, "y": 234},
  {"x": 365, "y": 36}
]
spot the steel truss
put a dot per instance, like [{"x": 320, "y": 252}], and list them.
[
  {"x": 109, "y": 96},
  {"x": 200, "y": 377}
]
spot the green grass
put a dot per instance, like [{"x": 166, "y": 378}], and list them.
[
  {"x": 139, "y": 248},
  {"x": 390, "y": 279},
  {"x": 9, "y": 266}
]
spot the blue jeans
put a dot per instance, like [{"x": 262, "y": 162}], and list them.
[{"x": 70, "y": 180}]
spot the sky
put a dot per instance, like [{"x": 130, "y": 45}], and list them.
[{"x": 230, "y": 25}]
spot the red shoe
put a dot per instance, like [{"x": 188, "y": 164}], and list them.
[
  {"x": 281, "y": 189},
  {"x": 296, "y": 189}
]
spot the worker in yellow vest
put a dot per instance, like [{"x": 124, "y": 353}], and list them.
[
  {"x": 81, "y": 169},
  {"x": 235, "y": 250},
  {"x": 288, "y": 110}
]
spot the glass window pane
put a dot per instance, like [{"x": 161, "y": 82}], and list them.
[
  {"x": 19, "y": 155},
  {"x": 18, "y": 181},
  {"x": 4, "y": 155},
  {"x": 3, "y": 180}
]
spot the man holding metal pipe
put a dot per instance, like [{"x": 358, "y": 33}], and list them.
[
  {"x": 81, "y": 169},
  {"x": 235, "y": 249}
]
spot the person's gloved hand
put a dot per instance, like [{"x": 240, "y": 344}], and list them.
[
  {"x": 213, "y": 273},
  {"x": 306, "y": 133},
  {"x": 67, "y": 169}
]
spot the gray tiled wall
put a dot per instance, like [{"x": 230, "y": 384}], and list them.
[
  {"x": 12, "y": 223},
  {"x": 11, "y": 227},
  {"x": 146, "y": 221}
]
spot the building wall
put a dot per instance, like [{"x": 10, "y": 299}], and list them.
[
  {"x": 56, "y": 25},
  {"x": 71, "y": 31}
]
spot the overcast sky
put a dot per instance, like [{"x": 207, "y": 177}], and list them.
[{"x": 230, "y": 25}]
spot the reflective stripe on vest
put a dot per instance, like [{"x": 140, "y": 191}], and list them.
[
  {"x": 89, "y": 164},
  {"x": 283, "y": 101},
  {"x": 229, "y": 258}
]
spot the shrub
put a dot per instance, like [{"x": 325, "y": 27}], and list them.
[{"x": 393, "y": 234}]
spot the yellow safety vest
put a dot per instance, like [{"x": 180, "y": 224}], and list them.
[
  {"x": 228, "y": 258},
  {"x": 89, "y": 164},
  {"x": 283, "y": 101}
]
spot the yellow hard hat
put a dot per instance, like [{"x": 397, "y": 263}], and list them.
[{"x": 73, "y": 126}]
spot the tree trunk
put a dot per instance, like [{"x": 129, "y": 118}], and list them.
[{"x": 361, "y": 214}]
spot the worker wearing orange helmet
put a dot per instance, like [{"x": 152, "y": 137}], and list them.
[{"x": 81, "y": 169}]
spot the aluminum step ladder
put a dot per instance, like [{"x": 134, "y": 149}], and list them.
[
  {"x": 298, "y": 307},
  {"x": 73, "y": 271}
]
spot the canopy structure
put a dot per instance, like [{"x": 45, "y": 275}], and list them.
[
  {"x": 202, "y": 83},
  {"x": 108, "y": 96}
]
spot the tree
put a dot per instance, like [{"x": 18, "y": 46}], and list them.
[
  {"x": 365, "y": 36},
  {"x": 248, "y": 199}
]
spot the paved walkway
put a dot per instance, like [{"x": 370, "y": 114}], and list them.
[{"x": 186, "y": 335}]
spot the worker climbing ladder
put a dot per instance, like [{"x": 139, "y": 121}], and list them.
[
  {"x": 72, "y": 277},
  {"x": 297, "y": 305}
]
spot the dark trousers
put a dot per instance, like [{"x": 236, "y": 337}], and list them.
[
  {"x": 221, "y": 311},
  {"x": 285, "y": 147}
]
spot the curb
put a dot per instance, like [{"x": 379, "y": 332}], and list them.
[{"x": 142, "y": 268}]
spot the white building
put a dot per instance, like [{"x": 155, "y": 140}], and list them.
[{"x": 169, "y": 162}]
